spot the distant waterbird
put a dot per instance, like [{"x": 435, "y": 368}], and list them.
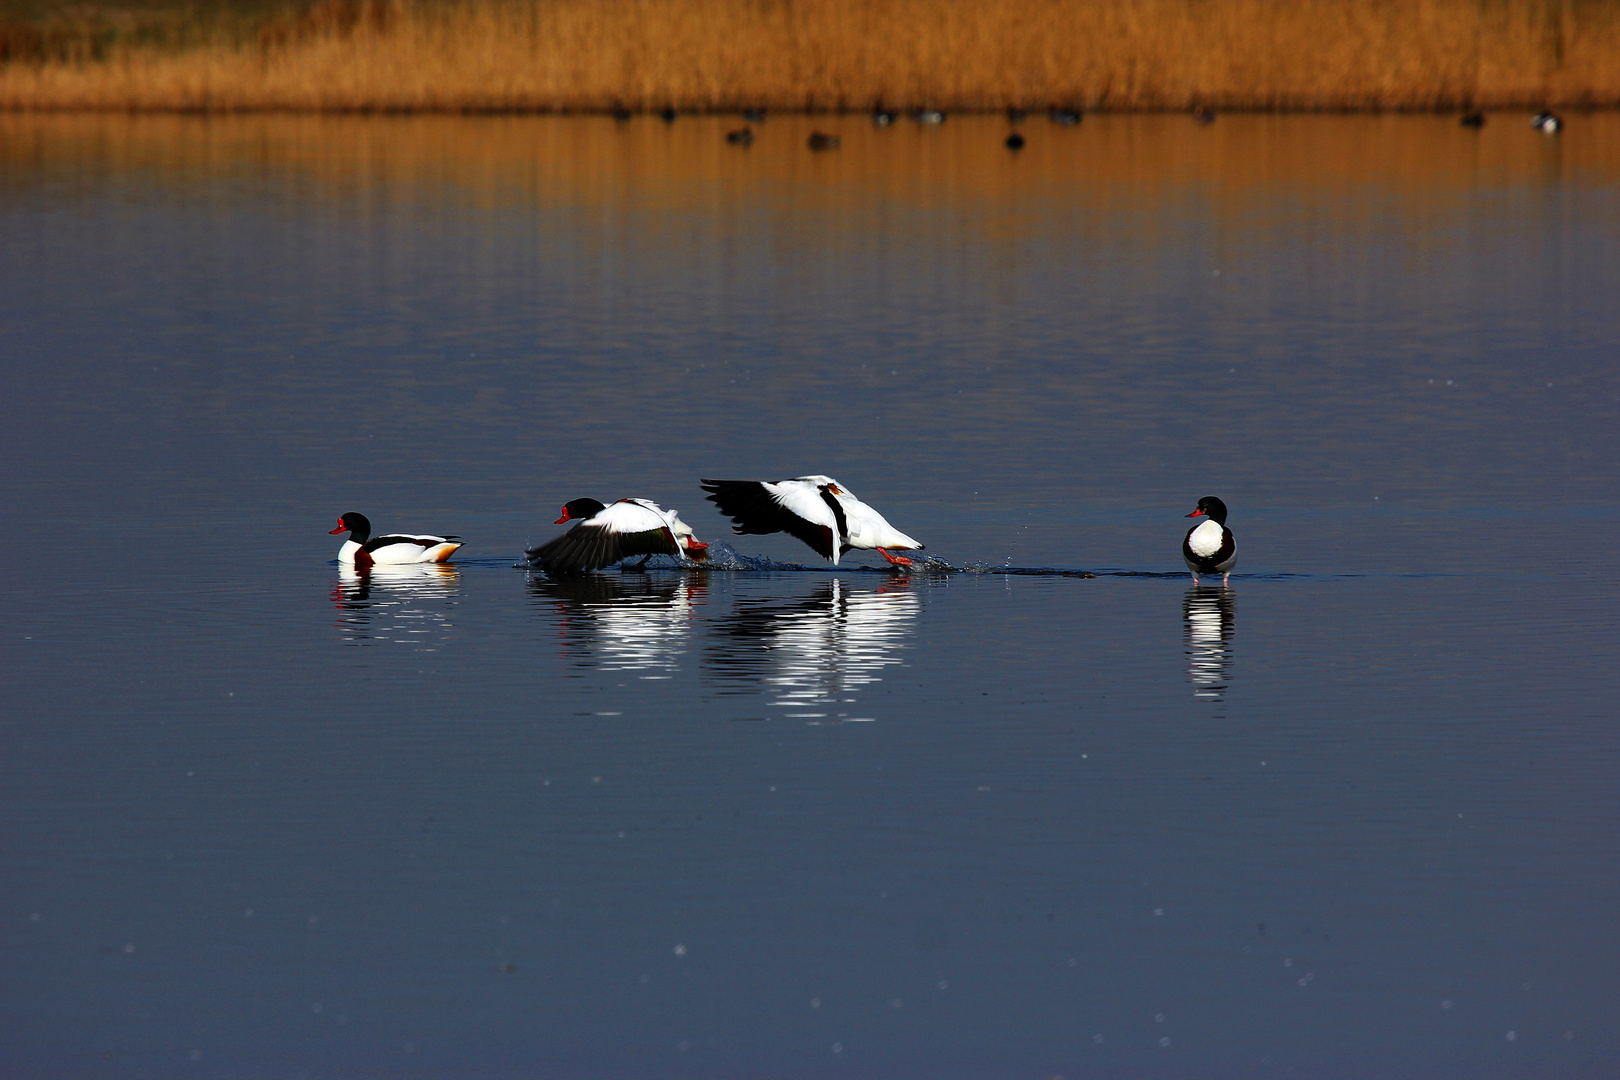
[
  {"x": 1548, "y": 123},
  {"x": 815, "y": 509},
  {"x": 1064, "y": 117},
  {"x": 1015, "y": 141},
  {"x": 820, "y": 140},
  {"x": 1473, "y": 120},
  {"x": 754, "y": 116},
  {"x": 620, "y": 113},
  {"x": 1203, "y": 115},
  {"x": 740, "y": 137},
  {"x": 1015, "y": 115},
  {"x": 883, "y": 117},
  {"x": 667, "y": 114},
  {"x": 1209, "y": 547},
  {"x": 929, "y": 117}
]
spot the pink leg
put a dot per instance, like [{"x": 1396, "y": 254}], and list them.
[{"x": 898, "y": 560}]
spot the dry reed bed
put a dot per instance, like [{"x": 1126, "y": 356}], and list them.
[{"x": 591, "y": 55}]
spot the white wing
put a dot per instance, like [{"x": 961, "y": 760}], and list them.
[
  {"x": 801, "y": 497},
  {"x": 629, "y": 516}
]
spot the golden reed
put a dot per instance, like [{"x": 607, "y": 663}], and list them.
[{"x": 799, "y": 55}]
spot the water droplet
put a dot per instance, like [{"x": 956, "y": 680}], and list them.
[
  {"x": 680, "y": 950},
  {"x": 895, "y": 1003},
  {"x": 1165, "y": 1041},
  {"x": 196, "y": 1055},
  {"x": 1512, "y": 1036},
  {"x": 1097, "y": 1038},
  {"x": 128, "y": 949},
  {"x": 247, "y": 913},
  {"x": 943, "y": 984},
  {"x": 1446, "y": 1004},
  {"x": 317, "y": 1007},
  {"x": 1158, "y": 911},
  {"x": 1158, "y": 1018},
  {"x": 838, "y": 1048},
  {"x": 815, "y": 1003}
]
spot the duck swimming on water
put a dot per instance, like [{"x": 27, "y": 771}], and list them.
[{"x": 390, "y": 549}]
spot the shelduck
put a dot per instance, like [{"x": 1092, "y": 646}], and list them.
[
  {"x": 816, "y": 509},
  {"x": 1210, "y": 547},
  {"x": 390, "y": 549},
  {"x": 1547, "y": 122},
  {"x": 608, "y": 534}
]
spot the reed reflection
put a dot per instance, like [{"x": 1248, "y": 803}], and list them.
[
  {"x": 410, "y": 605},
  {"x": 1209, "y": 616},
  {"x": 812, "y": 655},
  {"x": 623, "y": 622}
]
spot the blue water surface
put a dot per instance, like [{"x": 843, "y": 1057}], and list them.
[{"x": 1353, "y": 815}]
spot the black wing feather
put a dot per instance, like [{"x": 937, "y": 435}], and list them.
[
  {"x": 755, "y": 511},
  {"x": 590, "y": 547},
  {"x": 389, "y": 539}
]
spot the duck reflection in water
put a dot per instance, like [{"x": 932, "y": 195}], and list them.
[
  {"x": 812, "y": 655},
  {"x": 1209, "y": 616},
  {"x": 410, "y": 604},
  {"x": 628, "y": 622}
]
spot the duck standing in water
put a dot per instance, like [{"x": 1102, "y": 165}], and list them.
[
  {"x": 608, "y": 534},
  {"x": 390, "y": 549},
  {"x": 1209, "y": 547},
  {"x": 816, "y": 509}
]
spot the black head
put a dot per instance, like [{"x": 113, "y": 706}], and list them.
[
  {"x": 355, "y": 524},
  {"x": 580, "y": 508},
  {"x": 1211, "y": 507}
]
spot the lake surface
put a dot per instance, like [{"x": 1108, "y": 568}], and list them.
[{"x": 1353, "y": 816}]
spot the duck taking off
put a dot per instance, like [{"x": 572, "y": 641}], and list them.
[
  {"x": 1210, "y": 547},
  {"x": 816, "y": 509},
  {"x": 608, "y": 534},
  {"x": 390, "y": 549}
]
